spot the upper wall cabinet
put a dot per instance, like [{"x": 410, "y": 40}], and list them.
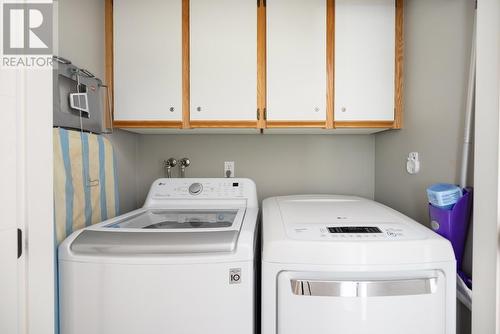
[
  {"x": 147, "y": 60},
  {"x": 365, "y": 60},
  {"x": 223, "y": 60},
  {"x": 256, "y": 64},
  {"x": 296, "y": 60}
]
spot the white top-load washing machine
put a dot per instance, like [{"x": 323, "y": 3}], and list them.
[
  {"x": 182, "y": 264},
  {"x": 347, "y": 265}
]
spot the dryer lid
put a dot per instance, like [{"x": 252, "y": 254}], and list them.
[
  {"x": 320, "y": 209},
  {"x": 345, "y": 230},
  {"x": 343, "y": 218}
]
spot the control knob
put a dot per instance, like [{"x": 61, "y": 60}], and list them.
[{"x": 195, "y": 188}]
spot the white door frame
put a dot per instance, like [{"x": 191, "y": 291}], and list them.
[
  {"x": 486, "y": 297},
  {"x": 28, "y": 177},
  {"x": 38, "y": 199}
]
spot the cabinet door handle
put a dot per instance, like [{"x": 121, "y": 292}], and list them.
[
  {"x": 404, "y": 287},
  {"x": 19, "y": 243}
]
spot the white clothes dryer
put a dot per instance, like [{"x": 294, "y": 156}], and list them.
[{"x": 341, "y": 264}]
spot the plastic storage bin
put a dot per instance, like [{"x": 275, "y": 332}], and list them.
[{"x": 453, "y": 224}]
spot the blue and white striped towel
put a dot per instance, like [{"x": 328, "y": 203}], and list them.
[{"x": 85, "y": 181}]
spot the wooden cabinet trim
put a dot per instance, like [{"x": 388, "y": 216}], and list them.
[
  {"x": 147, "y": 124},
  {"x": 186, "y": 87},
  {"x": 261, "y": 64},
  {"x": 399, "y": 62},
  {"x": 330, "y": 62},
  {"x": 250, "y": 124},
  {"x": 224, "y": 124},
  {"x": 296, "y": 124},
  {"x": 109, "y": 59},
  {"x": 364, "y": 124}
]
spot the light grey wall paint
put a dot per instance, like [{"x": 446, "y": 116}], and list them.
[
  {"x": 125, "y": 145},
  {"x": 80, "y": 36},
  {"x": 437, "y": 48},
  {"x": 279, "y": 164}
]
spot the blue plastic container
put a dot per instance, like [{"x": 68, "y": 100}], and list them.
[{"x": 444, "y": 195}]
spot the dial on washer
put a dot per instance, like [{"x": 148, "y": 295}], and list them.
[{"x": 195, "y": 188}]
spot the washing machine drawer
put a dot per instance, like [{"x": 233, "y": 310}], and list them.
[{"x": 342, "y": 303}]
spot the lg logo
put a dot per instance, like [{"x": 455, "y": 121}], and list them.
[{"x": 27, "y": 29}]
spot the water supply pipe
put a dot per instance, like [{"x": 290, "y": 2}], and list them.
[{"x": 469, "y": 110}]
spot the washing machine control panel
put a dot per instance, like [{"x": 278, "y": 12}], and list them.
[
  {"x": 352, "y": 232},
  {"x": 203, "y": 188}
]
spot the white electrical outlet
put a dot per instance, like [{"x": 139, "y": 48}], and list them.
[
  {"x": 413, "y": 163},
  {"x": 229, "y": 169}
]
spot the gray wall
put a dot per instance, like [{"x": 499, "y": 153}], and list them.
[
  {"x": 81, "y": 33},
  {"x": 80, "y": 38},
  {"x": 125, "y": 145},
  {"x": 279, "y": 164},
  {"x": 437, "y": 44},
  {"x": 437, "y": 48}
]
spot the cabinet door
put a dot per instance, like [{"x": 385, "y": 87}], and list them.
[
  {"x": 148, "y": 59},
  {"x": 223, "y": 57},
  {"x": 296, "y": 60},
  {"x": 364, "y": 60}
]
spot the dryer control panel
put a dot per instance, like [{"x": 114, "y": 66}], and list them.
[{"x": 353, "y": 232}]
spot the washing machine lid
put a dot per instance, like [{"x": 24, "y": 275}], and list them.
[
  {"x": 156, "y": 232},
  {"x": 181, "y": 220}
]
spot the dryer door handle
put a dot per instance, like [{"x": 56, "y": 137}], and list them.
[{"x": 373, "y": 288}]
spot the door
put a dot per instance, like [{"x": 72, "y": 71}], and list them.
[
  {"x": 323, "y": 303},
  {"x": 364, "y": 60},
  {"x": 296, "y": 60},
  {"x": 9, "y": 303},
  {"x": 223, "y": 58},
  {"x": 148, "y": 60}
]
